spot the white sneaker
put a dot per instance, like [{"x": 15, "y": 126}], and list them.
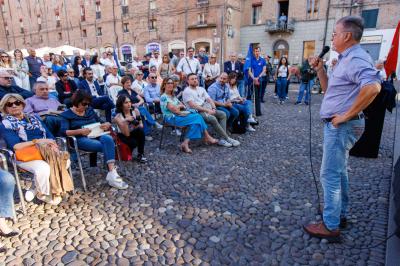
[
  {"x": 234, "y": 142},
  {"x": 251, "y": 120},
  {"x": 275, "y": 96},
  {"x": 115, "y": 180},
  {"x": 30, "y": 195},
  {"x": 158, "y": 125},
  {"x": 148, "y": 138},
  {"x": 250, "y": 128},
  {"x": 224, "y": 143}
]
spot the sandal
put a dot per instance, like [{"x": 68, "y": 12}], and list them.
[{"x": 186, "y": 149}]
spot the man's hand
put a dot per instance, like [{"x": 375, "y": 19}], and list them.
[
  {"x": 317, "y": 63},
  {"x": 339, "y": 119},
  {"x": 228, "y": 104},
  {"x": 211, "y": 111}
]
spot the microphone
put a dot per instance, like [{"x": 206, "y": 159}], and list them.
[{"x": 324, "y": 51}]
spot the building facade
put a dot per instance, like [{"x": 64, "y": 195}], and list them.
[
  {"x": 299, "y": 28},
  {"x": 133, "y": 26}
]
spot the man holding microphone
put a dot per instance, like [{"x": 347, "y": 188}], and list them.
[{"x": 353, "y": 85}]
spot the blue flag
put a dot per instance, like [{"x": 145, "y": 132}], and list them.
[
  {"x": 248, "y": 63},
  {"x": 116, "y": 57}
]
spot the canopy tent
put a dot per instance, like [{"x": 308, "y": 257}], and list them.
[
  {"x": 41, "y": 51},
  {"x": 69, "y": 50}
]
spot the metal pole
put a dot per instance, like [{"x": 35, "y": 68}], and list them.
[
  {"x": 186, "y": 25},
  {"x": 326, "y": 22},
  {"x": 351, "y": 6}
]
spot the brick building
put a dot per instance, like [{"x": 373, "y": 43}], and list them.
[
  {"x": 309, "y": 25},
  {"x": 135, "y": 26}
]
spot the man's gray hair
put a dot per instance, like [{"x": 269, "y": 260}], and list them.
[
  {"x": 37, "y": 84},
  {"x": 353, "y": 24}
]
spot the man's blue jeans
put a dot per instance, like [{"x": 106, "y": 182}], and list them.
[
  {"x": 305, "y": 87},
  {"x": 7, "y": 185},
  {"x": 231, "y": 114},
  {"x": 241, "y": 88},
  {"x": 334, "y": 178},
  {"x": 245, "y": 108},
  {"x": 103, "y": 103},
  {"x": 104, "y": 144}
]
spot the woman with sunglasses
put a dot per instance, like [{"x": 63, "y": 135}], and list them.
[
  {"x": 130, "y": 126},
  {"x": 20, "y": 131},
  {"x": 5, "y": 61},
  {"x": 75, "y": 120},
  {"x": 21, "y": 70},
  {"x": 166, "y": 68},
  {"x": 175, "y": 114}
]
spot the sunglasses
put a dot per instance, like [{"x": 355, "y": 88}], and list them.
[
  {"x": 170, "y": 82},
  {"x": 84, "y": 104},
  {"x": 139, "y": 75},
  {"x": 16, "y": 103},
  {"x": 153, "y": 77},
  {"x": 9, "y": 78},
  {"x": 4, "y": 56}
]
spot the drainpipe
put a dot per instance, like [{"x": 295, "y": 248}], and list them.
[{"x": 326, "y": 22}]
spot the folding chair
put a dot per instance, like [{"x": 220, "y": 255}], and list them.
[
  {"x": 174, "y": 127},
  {"x": 73, "y": 145},
  {"x": 11, "y": 156}
]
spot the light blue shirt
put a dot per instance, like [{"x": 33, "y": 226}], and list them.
[
  {"x": 353, "y": 71},
  {"x": 218, "y": 92},
  {"x": 151, "y": 92}
]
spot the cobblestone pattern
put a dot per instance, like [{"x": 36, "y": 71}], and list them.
[{"x": 219, "y": 206}]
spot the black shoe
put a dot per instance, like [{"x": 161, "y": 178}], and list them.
[
  {"x": 306, "y": 103},
  {"x": 296, "y": 103},
  {"x": 11, "y": 234},
  {"x": 3, "y": 250},
  {"x": 343, "y": 223},
  {"x": 141, "y": 159}
]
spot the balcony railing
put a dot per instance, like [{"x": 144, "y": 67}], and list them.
[
  {"x": 280, "y": 26},
  {"x": 202, "y": 3}
]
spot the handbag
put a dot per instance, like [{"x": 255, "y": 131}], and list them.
[{"x": 27, "y": 154}]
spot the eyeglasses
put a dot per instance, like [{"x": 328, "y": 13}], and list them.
[
  {"x": 4, "y": 56},
  {"x": 337, "y": 33},
  {"x": 170, "y": 82},
  {"x": 153, "y": 77},
  {"x": 84, "y": 104},
  {"x": 16, "y": 103},
  {"x": 65, "y": 75},
  {"x": 9, "y": 78},
  {"x": 139, "y": 75}
]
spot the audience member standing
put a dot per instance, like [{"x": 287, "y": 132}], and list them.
[
  {"x": 282, "y": 76},
  {"x": 21, "y": 70},
  {"x": 34, "y": 64}
]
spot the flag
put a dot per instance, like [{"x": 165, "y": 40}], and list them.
[
  {"x": 116, "y": 57},
  {"x": 248, "y": 62},
  {"x": 391, "y": 61}
]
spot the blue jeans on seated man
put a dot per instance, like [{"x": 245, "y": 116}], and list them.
[
  {"x": 305, "y": 87},
  {"x": 103, "y": 103},
  {"x": 7, "y": 185},
  {"x": 334, "y": 177},
  {"x": 231, "y": 114},
  {"x": 245, "y": 108},
  {"x": 104, "y": 144}
]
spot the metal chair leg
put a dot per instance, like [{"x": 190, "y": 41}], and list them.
[
  {"x": 79, "y": 163},
  {"x": 17, "y": 180},
  {"x": 162, "y": 135}
]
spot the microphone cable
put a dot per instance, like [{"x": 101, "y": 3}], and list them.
[{"x": 316, "y": 182}]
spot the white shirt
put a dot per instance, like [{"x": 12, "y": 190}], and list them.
[
  {"x": 155, "y": 62},
  {"x": 211, "y": 70},
  {"x": 139, "y": 87},
  {"x": 192, "y": 67},
  {"x": 136, "y": 64},
  {"x": 107, "y": 61},
  {"x": 98, "y": 73},
  {"x": 49, "y": 64},
  {"x": 233, "y": 66},
  {"x": 50, "y": 80},
  {"x": 199, "y": 96},
  {"x": 282, "y": 71},
  {"x": 93, "y": 89},
  {"x": 234, "y": 93},
  {"x": 112, "y": 79}
]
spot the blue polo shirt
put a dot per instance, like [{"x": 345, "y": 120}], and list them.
[
  {"x": 34, "y": 64},
  {"x": 257, "y": 66}
]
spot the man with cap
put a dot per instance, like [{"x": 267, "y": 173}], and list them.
[{"x": 7, "y": 87}]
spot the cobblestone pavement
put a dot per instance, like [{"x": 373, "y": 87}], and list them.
[{"x": 219, "y": 206}]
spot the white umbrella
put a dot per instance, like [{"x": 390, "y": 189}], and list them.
[
  {"x": 69, "y": 50},
  {"x": 41, "y": 51},
  {"x": 24, "y": 52}
]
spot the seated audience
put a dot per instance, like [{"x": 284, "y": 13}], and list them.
[
  {"x": 7, "y": 87},
  {"x": 92, "y": 87},
  {"x": 152, "y": 93},
  {"x": 139, "y": 84},
  {"x": 245, "y": 107},
  {"x": 80, "y": 115},
  {"x": 176, "y": 114},
  {"x": 47, "y": 76},
  {"x": 71, "y": 76},
  {"x": 58, "y": 64},
  {"x": 65, "y": 88},
  {"x": 197, "y": 98},
  {"x": 220, "y": 94},
  {"x": 130, "y": 125},
  {"x": 7, "y": 185},
  {"x": 21, "y": 131},
  {"x": 113, "y": 84}
]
